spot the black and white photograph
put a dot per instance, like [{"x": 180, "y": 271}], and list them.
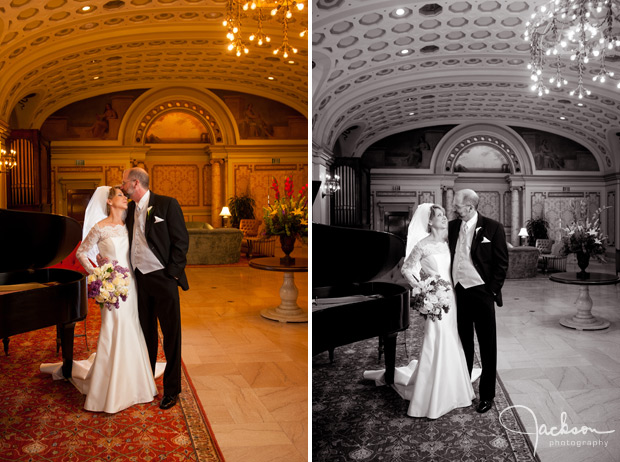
[{"x": 465, "y": 226}]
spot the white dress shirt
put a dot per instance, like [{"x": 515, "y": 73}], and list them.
[
  {"x": 463, "y": 269},
  {"x": 142, "y": 257}
]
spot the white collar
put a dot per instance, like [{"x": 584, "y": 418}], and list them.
[
  {"x": 471, "y": 223},
  {"x": 144, "y": 201}
]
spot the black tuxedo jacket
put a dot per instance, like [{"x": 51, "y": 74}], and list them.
[
  {"x": 168, "y": 239},
  {"x": 489, "y": 258}
]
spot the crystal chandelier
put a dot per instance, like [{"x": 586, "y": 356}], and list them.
[
  {"x": 241, "y": 13},
  {"x": 579, "y": 30}
]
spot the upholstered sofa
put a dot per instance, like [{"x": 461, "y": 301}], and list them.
[
  {"x": 522, "y": 263},
  {"x": 214, "y": 246}
]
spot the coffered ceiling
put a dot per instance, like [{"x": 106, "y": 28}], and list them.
[
  {"x": 55, "y": 52},
  {"x": 444, "y": 62}
]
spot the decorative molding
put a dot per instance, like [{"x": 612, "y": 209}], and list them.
[
  {"x": 396, "y": 193},
  {"x": 566, "y": 194},
  {"x": 62, "y": 169}
]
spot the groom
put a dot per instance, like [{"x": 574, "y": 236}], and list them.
[
  {"x": 479, "y": 264},
  {"x": 159, "y": 241}
]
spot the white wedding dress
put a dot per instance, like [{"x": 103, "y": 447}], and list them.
[
  {"x": 119, "y": 374},
  {"x": 438, "y": 381}
]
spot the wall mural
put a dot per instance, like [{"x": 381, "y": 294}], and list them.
[
  {"x": 93, "y": 118},
  {"x": 483, "y": 158},
  {"x": 262, "y": 118},
  {"x": 100, "y": 117},
  {"x": 554, "y": 152},
  {"x": 177, "y": 127},
  {"x": 410, "y": 149}
]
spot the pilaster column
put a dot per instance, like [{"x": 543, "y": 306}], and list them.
[
  {"x": 4, "y": 133},
  {"x": 514, "y": 208},
  {"x": 216, "y": 192}
]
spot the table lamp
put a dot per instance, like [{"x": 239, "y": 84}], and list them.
[
  {"x": 225, "y": 213},
  {"x": 522, "y": 234}
]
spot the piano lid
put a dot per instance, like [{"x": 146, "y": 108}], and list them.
[
  {"x": 348, "y": 255},
  {"x": 32, "y": 240}
]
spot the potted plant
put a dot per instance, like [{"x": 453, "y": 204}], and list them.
[
  {"x": 241, "y": 207},
  {"x": 536, "y": 229}
]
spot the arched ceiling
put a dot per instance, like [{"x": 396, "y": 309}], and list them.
[
  {"x": 466, "y": 61},
  {"x": 53, "y": 53}
]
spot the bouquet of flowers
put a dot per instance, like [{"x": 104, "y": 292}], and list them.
[
  {"x": 108, "y": 284},
  {"x": 288, "y": 214},
  {"x": 431, "y": 297},
  {"x": 584, "y": 234}
]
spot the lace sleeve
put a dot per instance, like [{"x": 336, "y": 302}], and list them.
[
  {"x": 87, "y": 244},
  {"x": 411, "y": 268}
]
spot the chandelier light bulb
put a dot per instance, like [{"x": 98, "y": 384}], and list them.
[{"x": 300, "y": 6}]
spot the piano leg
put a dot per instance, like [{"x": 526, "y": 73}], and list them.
[
  {"x": 65, "y": 333},
  {"x": 389, "y": 349},
  {"x": 6, "y": 345}
]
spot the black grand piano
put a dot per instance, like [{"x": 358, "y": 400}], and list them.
[
  {"x": 32, "y": 296},
  {"x": 346, "y": 307}
]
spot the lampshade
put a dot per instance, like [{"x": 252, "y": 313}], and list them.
[
  {"x": 523, "y": 232},
  {"x": 225, "y": 212}
]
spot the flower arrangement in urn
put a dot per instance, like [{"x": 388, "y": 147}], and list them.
[
  {"x": 584, "y": 237},
  {"x": 287, "y": 216}
]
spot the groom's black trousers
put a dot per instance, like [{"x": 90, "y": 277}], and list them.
[
  {"x": 476, "y": 311},
  {"x": 158, "y": 298}
]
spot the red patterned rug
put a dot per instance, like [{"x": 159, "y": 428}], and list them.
[{"x": 44, "y": 419}]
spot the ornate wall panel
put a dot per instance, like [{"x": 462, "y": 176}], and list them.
[
  {"x": 538, "y": 204},
  {"x": 559, "y": 210},
  {"x": 489, "y": 204},
  {"x": 178, "y": 181},
  {"x": 256, "y": 180}
]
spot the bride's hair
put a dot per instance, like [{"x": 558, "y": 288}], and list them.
[
  {"x": 111, "y": 195},
  {"x": 434, "y": 209}
]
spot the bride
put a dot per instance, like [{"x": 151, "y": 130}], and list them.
[
  {"x": 438, "y": 381},
  {"x": 119, "y": 374}
]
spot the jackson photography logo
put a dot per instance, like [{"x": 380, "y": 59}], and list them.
[{"x": 563, "y": 430}]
